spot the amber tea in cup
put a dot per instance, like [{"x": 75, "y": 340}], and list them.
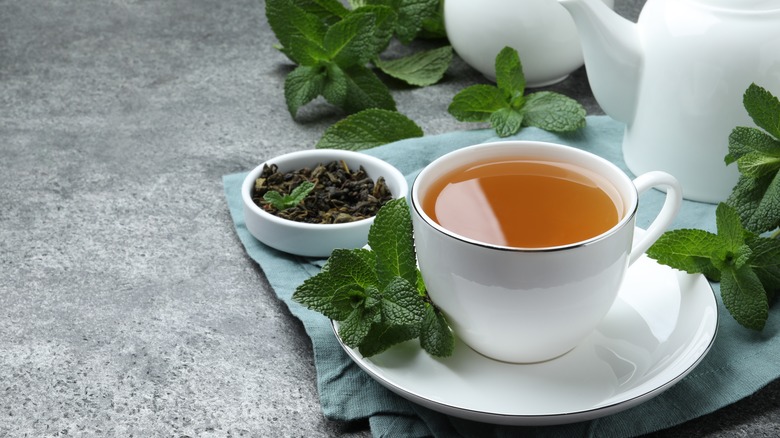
[{"x": 524, "y": 203}]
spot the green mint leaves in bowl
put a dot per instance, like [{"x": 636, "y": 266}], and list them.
[{"x": 283, "y": 202}]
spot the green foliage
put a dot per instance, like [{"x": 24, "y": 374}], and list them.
[
  {"x": 283, "y": 202},
  {"x": 507, "y": 108},
  {"x": 332, "y": 46},
  {"x": 420, "y": 69},
  {"x": 376, "y": 294},
  {"x": 413, "y": 15},
  {"x": 747, "y": 265},
  {"x": 367, "y": 129},
  {"x": 757, "y": 154}
]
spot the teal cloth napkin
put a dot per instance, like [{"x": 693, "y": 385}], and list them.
[{"x": 739, "y": 363}]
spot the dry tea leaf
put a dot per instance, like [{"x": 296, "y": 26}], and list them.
[{"x": 340, "y": 194}]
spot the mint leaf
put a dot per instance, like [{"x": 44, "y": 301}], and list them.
[
  {"x": 365, "y": 90},
  {"x": 435, "y": 335},
  {"x": 367, "y": 129},
  {"x": 732, "y": 253},
  {"x": 756, "y": 195},
  {"x": 730, "y": 230},
  {"x": 509, "y": 73},
  {"x": 688, "y": 250},
  {"x": 391, "y": 239},
  {"x": 765, "y": 261},
  {"x": 384, "y": 25},
  {"x": 744, "y": 140},
  {"x": 755, "y": 164},
  {"x": 299, "y": 193},
  {"x": 506, "y": 121},
  {"x": 275, "y": 199},
  {"x": 508, "y": 110},
  {"x": 288, "y": 21},
  {"x": 421, "y": 68},
  {"x": 755, "y": 152},
  {"x": 336, "y": 85},
  {"x": 306, "y": 52},
  {"x": 698, "y": 251},
  {"x": 354, "y": 329},
  {"x": 744, "y": 297},
  {"x": 383, "y": 336},
  {"x": 283, "y": 202},
  {"x": 433, "y": 26},
  {"x": 411, "y": 15},
  {"x": 553, "y": 112},
  {"x": 302, "y": 86},
  {"x": 350, "y": 41},
  {"x": 355, "y": 89},
  {"x": 476, "y": 103},
  {"x": 763, "y": 108},
  {"x": 350, "y": 269},
  {"x": 317, "y": 294},
  {"x": 337, "y": 295},
  {"x": 328, "y": 11},
  {"x": 401, "y": 304},
  {"x": 758, "y": 202}
]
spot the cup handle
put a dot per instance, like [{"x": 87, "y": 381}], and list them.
[{"x": 667, "y": 214}]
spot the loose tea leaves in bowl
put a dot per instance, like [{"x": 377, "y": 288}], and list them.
[
  {"x": 320, "y": 238},
  {"x": 339, "y": 194}
]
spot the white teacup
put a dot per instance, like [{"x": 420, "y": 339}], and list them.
[{"x": 527, "y": 305}]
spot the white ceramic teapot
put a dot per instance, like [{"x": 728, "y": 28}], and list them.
[
  {"x": 677, "y": 77},
  {"x": 541, "y": 31}
]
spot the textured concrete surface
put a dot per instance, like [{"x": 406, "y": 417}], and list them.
[{"x": 127, "y": 304}]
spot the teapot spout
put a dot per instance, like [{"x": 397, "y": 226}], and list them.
[{"x": 612, "y": 53}]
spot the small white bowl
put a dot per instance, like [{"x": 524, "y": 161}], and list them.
[{"x": 315, "y": 240}]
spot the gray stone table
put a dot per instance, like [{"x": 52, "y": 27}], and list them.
[{"x": 127, "y": 304}]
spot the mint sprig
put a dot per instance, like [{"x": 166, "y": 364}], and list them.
[
  {"x": 283, "y": 202},
  {"x": 507, "y": 108},
  {"x": 757, "y": 155},
  {"x": 377, "y": 294},
  {"x": 333, "y": 45},
  {"x": 747, "y": 265}
]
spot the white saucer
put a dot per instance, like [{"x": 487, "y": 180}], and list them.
[{"x": 660, "y": 328}]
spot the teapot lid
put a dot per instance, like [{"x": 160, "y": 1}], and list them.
[{"x": 743, "y": 5}]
